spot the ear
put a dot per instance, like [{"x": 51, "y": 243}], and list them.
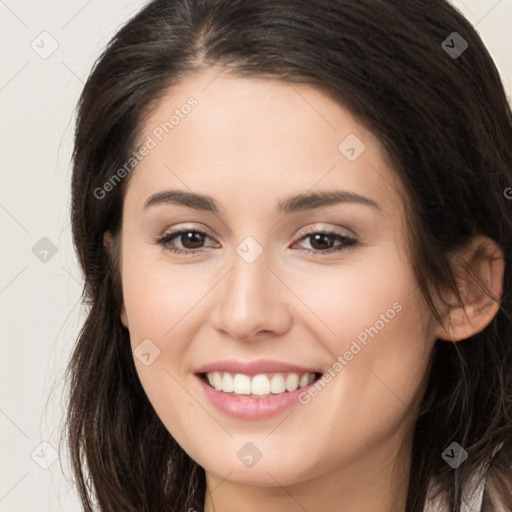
[
  {"x": 107, "y": 243},
  {"x": 478, "y": 269}
]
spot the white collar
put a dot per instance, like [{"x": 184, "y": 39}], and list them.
[{"x": 472, "y": 495}]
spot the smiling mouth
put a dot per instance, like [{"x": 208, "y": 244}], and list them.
[{"x": 262, "y": 385}]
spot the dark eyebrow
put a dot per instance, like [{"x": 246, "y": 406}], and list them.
[
  {"x": 316, "y": 200},
  {"x": 301, "y": 202},
  {"x": 180, "y": 197}
]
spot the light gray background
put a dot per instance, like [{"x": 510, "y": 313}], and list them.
[{"x": 39, "y": 301}]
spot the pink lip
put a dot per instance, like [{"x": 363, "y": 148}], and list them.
[
  {"x": 253, "y": 367},
  {"x": 247, "y": 408}
]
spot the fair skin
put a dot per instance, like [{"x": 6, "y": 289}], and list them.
[{"x": 250, "y": 144}]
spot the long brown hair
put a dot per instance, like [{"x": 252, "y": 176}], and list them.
[{"x": 446, "y": 125}]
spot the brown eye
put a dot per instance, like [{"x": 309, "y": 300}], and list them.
[
  {"x": 190, "y": 241},
  {"x": 325, "y": 242},
  {"x": 321, "y": 241}
]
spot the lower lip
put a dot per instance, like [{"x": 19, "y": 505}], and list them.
[{"x": 247, "y": 408}]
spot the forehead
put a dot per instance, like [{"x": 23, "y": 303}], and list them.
[{"x": 243, "y": 138}]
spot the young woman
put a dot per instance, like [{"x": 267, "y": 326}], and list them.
[{"x": 294, "y": 221}]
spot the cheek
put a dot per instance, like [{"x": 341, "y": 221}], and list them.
[
  {"x": 378, "y": 384},
  {"x": 160, "y": 302},
  {"x": 159, "y": 296},
  {"x": 348, "y": 300},
  {"x": 375, "y": 324}
]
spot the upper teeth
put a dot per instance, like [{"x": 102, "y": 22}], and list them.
[{"x": 261, "y": 384}]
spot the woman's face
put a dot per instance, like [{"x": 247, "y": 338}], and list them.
[{"x": 293, "y": 266}]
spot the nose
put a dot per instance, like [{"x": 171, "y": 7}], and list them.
[{"x": 251, "y": 301}]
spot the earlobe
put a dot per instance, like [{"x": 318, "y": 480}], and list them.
[
  {"x": 481, "y": 268},
  {"x": 106, "y": 240},
  {"x": 124, "y": 318}
]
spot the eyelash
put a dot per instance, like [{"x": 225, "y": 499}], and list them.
[{"x": 347, "y": 242}]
